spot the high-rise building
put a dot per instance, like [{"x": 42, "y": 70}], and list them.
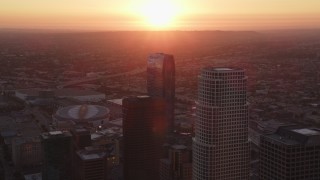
[
  {"x": 161, "y": 82},
  {"x": 292, "y": 152},
  {"x": 220, "y": 145},
  {"x": 178, "y": 164},
  {"x": 91, "y": 164},
  {"x": 143, "y": 135},
  {"x": 56, "y": 147}
]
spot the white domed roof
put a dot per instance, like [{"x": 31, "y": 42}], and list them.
[{"x": 82, "y": 113}]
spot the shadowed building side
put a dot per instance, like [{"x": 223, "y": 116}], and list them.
[
  {"x": 144, "y": 130},
  {"x": 57, "y": 146}
]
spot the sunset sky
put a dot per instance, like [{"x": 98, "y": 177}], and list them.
[{"x": 160, "y": 14}]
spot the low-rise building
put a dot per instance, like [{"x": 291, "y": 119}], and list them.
[
  {"x": 26, "y": 152},
  {"x": 178, "y": 164},
  {"x": 292, "y": 152},
  {"x": 91, "y": 164}
]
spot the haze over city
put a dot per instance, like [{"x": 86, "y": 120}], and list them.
[
  {"x": 160, "y": 14},
  {"x": 159, "y": 90}
]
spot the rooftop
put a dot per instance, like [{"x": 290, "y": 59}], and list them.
[
  {"x": 296, "y": 135},
  {"x": 117, "y": 122},
  {"x": 116, "y": 101},
  {"x": 37, "y": 176},
  {"x": 307, "y": 132},
  {"x": 179, "y": 147},
  {"x": 222, "y": 69},
  {"x": 22, "y": 140},
  {"x": 55, "y": 134},
  {"x": 91, "y": 153}
]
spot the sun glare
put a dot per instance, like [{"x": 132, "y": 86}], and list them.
[{"x": 159, "y": 13}]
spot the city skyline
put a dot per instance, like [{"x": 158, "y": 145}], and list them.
[
  {"x": 94, "y": 105},
  {"x": 174, "y": 15}
]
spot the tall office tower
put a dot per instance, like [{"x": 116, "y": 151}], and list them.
[
  {"x": 57, "y": 155},
  {"x": 178, "y": 164},
  {"x": 143, "y": 135},
  {"x": 293, "y": 152},
  {"x": 161, "y": 82},
  {"x": 220, "y": 145}
]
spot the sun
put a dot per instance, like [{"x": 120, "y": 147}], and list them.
[{"x": 159, "y": 13}]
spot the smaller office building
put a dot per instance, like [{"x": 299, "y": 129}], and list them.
[
  {"x": 91, "y": 164},
  {"x": 292, "y": 152}
]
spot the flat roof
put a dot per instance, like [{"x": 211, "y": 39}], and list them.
[
  {"x": 91, "y": 153},
  {"x": 296, "y": 135},
  {"x": 90, "y": 156},
  {"x": 54, "y": 133},
  {"x": 117, "y": 122},
  {"x": 22, "y": 140},
  {"x": 179, "y": 147},
  {"x": 116, "y": 101},
  {"x": 223, "y": 69},
  {"x": 36, "y": 176},
  {"x": 307, "y": 131}
]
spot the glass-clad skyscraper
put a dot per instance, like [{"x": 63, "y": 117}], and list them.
[
  {"x": 161, "y": 82},
  {"x": 220, "y": 145}
]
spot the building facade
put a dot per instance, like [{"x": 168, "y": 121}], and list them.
[
  {"x": 143, "y": 135},
  {"x": 161, "y": 82},
  {"x": 178, "y": 164},
  {"x": 220, "y": 145},
  {"x": 292, "y": 152},
  {"x": 26, "y": 152},
  {"x": 91, "y": 164},
  {"x": 56, "y": 147}
]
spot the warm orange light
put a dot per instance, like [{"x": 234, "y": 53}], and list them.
[{"x": 159, "y": 13}]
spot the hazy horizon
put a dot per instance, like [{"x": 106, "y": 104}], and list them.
[{"x": 135, "y": 15}]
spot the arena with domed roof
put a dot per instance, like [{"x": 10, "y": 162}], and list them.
[{"x": 91, "y": 116}]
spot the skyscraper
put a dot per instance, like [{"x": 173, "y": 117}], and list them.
[
  {"x": 293, "y": 152},
  {"x": 161, "y": 82},
  {"x": 57, "y": 155},
  {"x": 220, "y": 145},
  {"x": 143, "y": 135}
]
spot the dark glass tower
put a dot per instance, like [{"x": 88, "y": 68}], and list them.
[
  {"x": 144, "y": 129},
  {"x": 57, "y": 155},
  {"x": 161, "y": 82},
  {"x": 220, "y": 145}
]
